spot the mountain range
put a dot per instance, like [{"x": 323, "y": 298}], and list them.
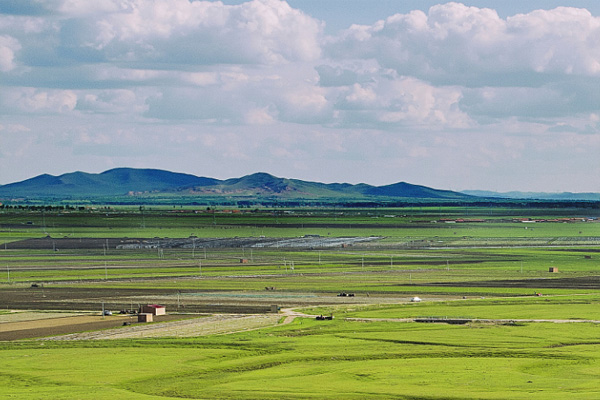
[
  {"x": 561, "y": 196},
  {"x": 152, "y": 182}
]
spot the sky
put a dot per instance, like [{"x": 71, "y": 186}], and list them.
[{"x": 488, "y": 95}]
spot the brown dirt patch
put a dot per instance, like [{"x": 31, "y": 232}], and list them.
[
  {"x": 588, "y": 282},
  {"x": 65, "y": 325}
]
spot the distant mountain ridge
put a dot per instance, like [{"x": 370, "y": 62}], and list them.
[
  {"x": 139, "y": 182},
  {"x": 563, "y": 196},
  {"x": 118, "y": 181}
]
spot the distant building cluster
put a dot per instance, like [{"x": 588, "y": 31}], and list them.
[
  {"x": 565, "y": 220},
  {"x": 520, "y": 220},
  {"x": 460, "y": 220}
]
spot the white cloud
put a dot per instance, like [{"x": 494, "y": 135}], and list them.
[
  {"x": 201, "y": 78},
  {"x": 199, "y": 32},
  {"x": 259, "y": 116},
  {"x": 112, "y": 101},
  {"x": 390, "y": 102},
  {"x": 361, "y": 97},
  {"x": 237, "y": 96},
  {"x": 8, "y": 47},
  {"x": 81, "y": 9},
  {"x": 459, "y": 44},
  {"x": 35, "y": 101},
  {"x": 304, "y": 104},
  {"x": 564, "y": 40},
  {"x": 84, "y": 138},
  {"x": 112, "y": 73}
]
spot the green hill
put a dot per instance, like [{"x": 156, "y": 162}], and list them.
[
  {"x": 152, "y": 182},
  {"x": 115, "y": 182}
]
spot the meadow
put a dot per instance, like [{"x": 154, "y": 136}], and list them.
[
  {"x": 518, "y": 346},
  {"x": 310, "y": 359}
]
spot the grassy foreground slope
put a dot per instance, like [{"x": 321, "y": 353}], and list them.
[{"x": 321, "y": 360}]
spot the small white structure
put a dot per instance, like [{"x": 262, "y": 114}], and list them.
[
  {"x": 145, "y": 317},
  {"x": 415, "y": 299},
  {"x": 154, "y": 309}
]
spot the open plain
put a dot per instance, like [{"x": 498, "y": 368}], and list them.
[{"x": 243, "y": 290}]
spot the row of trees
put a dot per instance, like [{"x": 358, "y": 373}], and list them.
[
  {"x": 329, "y": 203},
  {"x": 30, "y": 207}
]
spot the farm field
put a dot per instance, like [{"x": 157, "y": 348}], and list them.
[{"x": 522, "y": 332}]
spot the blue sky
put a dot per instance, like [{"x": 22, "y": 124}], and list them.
[{"x": 495, "y": 95}]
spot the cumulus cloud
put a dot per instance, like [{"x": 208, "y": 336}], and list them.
[
  {"x": 184, "y": 32},
  {"x": 392, "y": 102},
  {"x": 304, "y": 104},
  {"x": 473, "y": 66},
  {"x": 565, "y": 40},
  {"x": 237, "y": 98},
  {"x": 441, "y": 67},
  {"x": 453, "y": 43}
]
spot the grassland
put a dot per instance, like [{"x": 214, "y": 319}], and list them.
[
  {"x": 487, "y": 270},
  {"x": 308, "y": 359}
]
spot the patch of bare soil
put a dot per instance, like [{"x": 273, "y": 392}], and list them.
[
  {"x": 92, "y": 299},
  {"x": 589, "y": 282},
  {"x": 51, "y": 243},
  {"x": 189, "y": 301},
  {"x": 195, "y": 326},
  {"x": 66, "y": 325}
]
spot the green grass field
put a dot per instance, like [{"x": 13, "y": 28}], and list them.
[
  {"x": 355, "y": 356},
  {"x": 325, "y": 360},
  {"x": 557, "y": 307}
]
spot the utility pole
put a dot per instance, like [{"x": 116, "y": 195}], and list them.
[{"x": 143, "y": 218}]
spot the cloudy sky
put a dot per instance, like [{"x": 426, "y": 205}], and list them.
[{"x": 496, "y": 95}]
